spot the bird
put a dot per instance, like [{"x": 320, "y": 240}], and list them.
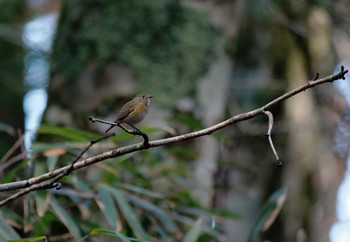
[{"x": 133, "y": 112}]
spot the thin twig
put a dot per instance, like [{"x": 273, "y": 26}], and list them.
[
  {"x": 13, "y": 160},
  {"x": 316, "y": 76},
  {"x": 309, "y": 84},
  {"x": 268, "y": 134},
  {"x": 25, "y": 191},
  {"x": 92, "y": 142},
  {"x": 54, "y": 183},
  {"x": 28, "y": 184},
  {"x": 134, "y": 132},
  {"x": 12, "y": 149}
]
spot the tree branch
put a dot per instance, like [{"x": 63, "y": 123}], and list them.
[
  {"x": 268, "y": 134},
  {"x": 60, "y": 172},
  {"x": 134, "y": 132},
  {"x": 54, "y": 183}
]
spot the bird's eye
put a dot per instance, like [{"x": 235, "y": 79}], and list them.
[{"x": 143, "y": 96}]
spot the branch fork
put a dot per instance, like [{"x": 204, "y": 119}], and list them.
[
  {"x": 268, "y": 135},
  {"x": 134, "y": 131}
]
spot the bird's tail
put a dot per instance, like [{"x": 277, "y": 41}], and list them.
[{"x": 112, "y": 126}]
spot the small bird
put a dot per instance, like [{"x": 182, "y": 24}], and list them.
[{"x": 134, "y": 111}]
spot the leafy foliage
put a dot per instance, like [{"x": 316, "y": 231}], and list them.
[
  {"x": 11, "y": 66},
  {"x": 143, "y": 196},
  {"x": 268, "y": 214},
  {"x": 159, "y": 40},
  {"x": 6, "y": 231}
]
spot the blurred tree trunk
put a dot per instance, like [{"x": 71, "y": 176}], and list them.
[
  {"x": 212, "y": 96},
  {"x": 301, "y": 115},
  {"x": 328, "y": 171},
  {"x": 311, "y": 168}
]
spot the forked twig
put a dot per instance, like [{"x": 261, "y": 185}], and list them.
[
  {"x": 54, "y": 183},
  {"x": 134, "y": 132},
  {"x": 268, "y": 135}
]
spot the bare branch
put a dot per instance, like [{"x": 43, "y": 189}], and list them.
[
  {"x": 316, "y": 76},
  {"x": 268, "y": 134},
  {"x": 54, "y": 183},
  {"x": 309, "y": 84},
  {"x": 134, "y": 132},
  {"x": 35, "y": 182},
  {"x": 92, "y": 142},
  {"x": 30, "y": 189},
  {"x": 12, "y": 149}
]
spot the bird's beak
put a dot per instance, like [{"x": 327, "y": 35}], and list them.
[{"x": 150, "y": 96}]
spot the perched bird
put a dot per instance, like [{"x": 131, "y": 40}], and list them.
[{"x": 133, "y": 111}]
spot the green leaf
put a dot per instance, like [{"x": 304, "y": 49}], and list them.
[
  {"x": 40, "y": 167},
  {"x": 81, "y": 185},
  {"x": 193, "y": 234},
  {"x": 141, "y": 190},
  {"x": 41, "y": 200},
  {"x": 198, "y": 211},
  {"x": 41, "y": 238},
  {"x": 224, "y": 214},
  {"x": 268, "y": 214},
  {"x": 12, "y": 216},
  {"x": 189, "y": 120},
  {"x": 121, "y": 135},
  {"x": 7, "y": 128},
  {"x": 99, "y": 231},
  {"x": 159, "y": 213},
  {"x": 6, "y": 231},
  {"x": 68, "y": 133},
  {"x": 128, "y": 212},
  {"x": 181, "y": 151},
  {"x": 160, "y": 230},
  {"x": 40, "y": 147},
  {"x": 66, "y": 219},
  {"x": 109, "y": 209},
  {"x": 13, "y": 173}
]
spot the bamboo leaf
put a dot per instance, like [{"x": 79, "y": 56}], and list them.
[
  {"x": 12, "y": 174},
  {"x": 159, "y": 213},
  {"x": 268, "y": 214},
  {"x": 81, "y": 185},
  {"x": 41, "y": 147},
  {"x": 68, "y": 133},
  {"x": 6, "y": 231},
  {"x": 66, "y": 219},
  {"x": 99, "y": 231},
  {"x": 128, "y": 212},
  {"x": 7, "y": 128},
  {"x": 42, "y": 199},
  {"x": 109, "y": 207},
  {"x": 41, "y": 238},
  {"x": 140, "y": 190},
  {"x": 193, "y": 234}
]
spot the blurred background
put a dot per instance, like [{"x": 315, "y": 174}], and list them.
[{"x": 203, "y": 61}]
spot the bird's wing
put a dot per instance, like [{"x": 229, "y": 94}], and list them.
[{"x": 126, "y": 111}]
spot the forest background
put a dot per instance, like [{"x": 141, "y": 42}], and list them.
[{"x": 203, "y": 61}]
